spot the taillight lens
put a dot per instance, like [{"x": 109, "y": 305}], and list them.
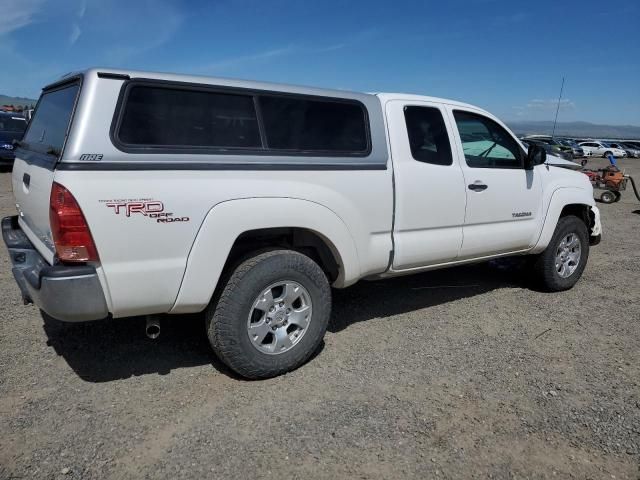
[{"x": 69, "y": 228}]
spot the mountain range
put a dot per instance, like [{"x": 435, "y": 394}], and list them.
[
  {"x": 7, "y": 100},
  {"x": 575, "y": 129}
]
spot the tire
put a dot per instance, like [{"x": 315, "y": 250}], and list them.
[
  {"x": 241, "y": 306},
  {"x": 606, "y": 154},
  {"x": 544, "y": 266},
  {"x": 608, "y": 197},
  {"x": 618, "y": 196}
]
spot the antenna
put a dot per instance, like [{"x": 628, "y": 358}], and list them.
[{"x": 557, "y": 109}]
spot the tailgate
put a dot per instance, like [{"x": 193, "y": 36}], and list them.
[{"x": 36, "y": 159}]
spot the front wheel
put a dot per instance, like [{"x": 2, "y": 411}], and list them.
[
  {"x": 561, "y": 265},
  {"x": 271, "y": 315},
  {"x": 606, "y": 154}
]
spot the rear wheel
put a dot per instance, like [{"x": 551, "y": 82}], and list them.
[
  {"x": 561, "y": 265},
  {"x": 606, "y": 154},
  {"x": 271, "y": 315}
]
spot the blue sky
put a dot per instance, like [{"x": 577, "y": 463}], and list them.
[{"x": 506, "y": 56}]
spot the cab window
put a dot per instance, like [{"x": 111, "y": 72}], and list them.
[
  {"x": 486, "y": 144},
  {"x": 428, "y": 137}
]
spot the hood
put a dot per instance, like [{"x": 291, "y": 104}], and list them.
[{"x": 560, "y": 162}]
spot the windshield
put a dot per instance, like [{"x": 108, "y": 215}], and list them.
[
  {"x": 48, "y": 128},
  {"x": 12, "y": 124}
]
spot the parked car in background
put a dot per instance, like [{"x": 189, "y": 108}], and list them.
[
  {"x": 631, "y": 150},
  {"x": 564, "y": 153},
  {"x": 602, "y": 149},
  {"x": 12, "y": 128},
  {"x": 633, "y": 143},
  {"x": 577, "y": 150},
  {"x": 555, "y": 146}
]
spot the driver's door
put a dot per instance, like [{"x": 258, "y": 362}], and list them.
[{"x": 504, "y": 201}]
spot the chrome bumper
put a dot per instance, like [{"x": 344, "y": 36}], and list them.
[{"x": 67, "y": 293}]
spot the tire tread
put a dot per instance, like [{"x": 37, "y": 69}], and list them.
[
  {"x": 223, "y": 313},
  {"x": 544, "y": 263}
]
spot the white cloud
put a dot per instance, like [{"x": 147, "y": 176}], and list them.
[
  {"x": 148, "y": 25},
  {"x": 242, "y": 60},
  {"x": 552, "y": 104},
  {"x": 83, "y": 8},
  {"x": 265, "y": 56},
  {"x": 262, "y": 57},
  {"x": 17, "y": 14},
  {"x": 542, "y": 108},
  {"x": 75, "y": 33}
]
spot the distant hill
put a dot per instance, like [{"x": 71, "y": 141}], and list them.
[
  {"x": 576, "y": 129},
  {"x": 6, "y": 100}
]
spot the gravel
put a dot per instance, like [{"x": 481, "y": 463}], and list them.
[{"x": 467, "y": 372}]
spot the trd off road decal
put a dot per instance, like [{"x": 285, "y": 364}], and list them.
[{"x": 147, "y": 207}]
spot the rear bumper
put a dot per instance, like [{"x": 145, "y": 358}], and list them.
[{"x": 67, "y": 293}]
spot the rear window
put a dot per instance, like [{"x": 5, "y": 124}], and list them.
[
  {"x": 167, "y": 117},
  {"x": 48, "y": 127},
  {"x": 300, "y": 124}
]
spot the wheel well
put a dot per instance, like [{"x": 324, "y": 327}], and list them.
[
  {"x": 579, "y": 210},
  {"x": 300, "y": 239}
]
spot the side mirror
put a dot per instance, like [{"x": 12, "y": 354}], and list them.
[{"x": 536, "y": 155}]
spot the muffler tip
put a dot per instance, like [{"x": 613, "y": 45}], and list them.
[{"x": 153, "y": 328}]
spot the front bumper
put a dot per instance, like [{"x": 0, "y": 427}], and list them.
[
  {"x": 7, "y": 157},
  {"x": 67, "y": 293}
]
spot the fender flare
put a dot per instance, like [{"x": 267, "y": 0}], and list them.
[
  {"x": 227, "y": 220},
  {"x": 560, "y": 198}
]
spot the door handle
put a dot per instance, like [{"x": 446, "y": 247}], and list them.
[
  {"x": 477, "y": 186},
  {"x": 26, "y": 179}
]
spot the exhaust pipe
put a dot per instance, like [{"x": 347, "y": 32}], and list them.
[{"x": 153, "y": 327}]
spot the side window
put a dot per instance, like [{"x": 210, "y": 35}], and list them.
[
  {"x": 485, "y": 143},
  {"x": 309, "y": 125},
  {"x": 428, "y": 137},
  {"x": 172, "y": 117}
]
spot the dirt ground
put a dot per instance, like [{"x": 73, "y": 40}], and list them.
[{"x": 465, "y": 373}]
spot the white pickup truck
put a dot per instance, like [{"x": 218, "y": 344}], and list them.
[{"x": 142, "y": 193}]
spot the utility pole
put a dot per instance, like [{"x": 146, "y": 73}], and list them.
[{"x": 557, "y": 109}]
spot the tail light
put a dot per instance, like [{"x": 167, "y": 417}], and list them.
[{"x": 71, "y": 234}]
